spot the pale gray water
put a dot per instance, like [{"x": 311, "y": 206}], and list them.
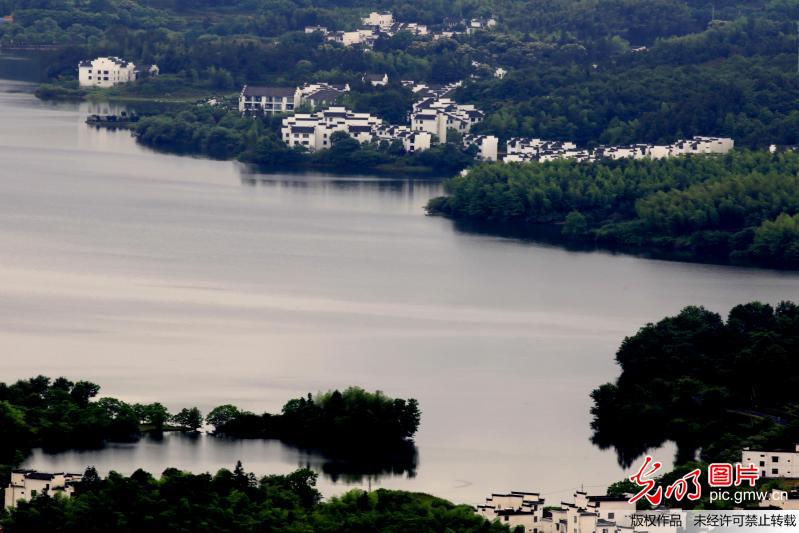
[{"x": 167, "y": 278}]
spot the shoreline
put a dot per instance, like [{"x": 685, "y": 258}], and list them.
[{"x": 549, "y": 234}]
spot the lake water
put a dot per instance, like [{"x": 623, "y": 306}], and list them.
[{"x": 197, "y": 282}]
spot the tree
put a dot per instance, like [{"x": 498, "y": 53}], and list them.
[
  {"x": 222, "y": 415},
  {"x": 575, "y": 225},
  {"x": 83, "y": 391},
  {"x": 189, "y": 419},
  {"x": 153, "y": 414}
]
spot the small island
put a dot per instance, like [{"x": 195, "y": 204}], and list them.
[{"x": 357, "y": 432}]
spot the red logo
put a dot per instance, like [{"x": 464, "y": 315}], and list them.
[{"x": 688, "y": 486}]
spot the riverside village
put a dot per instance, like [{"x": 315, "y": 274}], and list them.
[{"x": 585, "y": 514}]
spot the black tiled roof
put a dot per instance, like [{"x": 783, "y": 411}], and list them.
[{"x": 257, "y": 90}]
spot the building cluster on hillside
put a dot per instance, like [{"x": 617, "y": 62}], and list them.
[
  {"x": 25, "y": 484},
  {"x": 109, "y": 71},
  {"x": 437, "y": 115},
  {"x": 313, "y": 131},
  {"x": 586, "y": 514},
  {"x": 521, "y": 149},
  {"x": 377, "y": 24},
  {"x": 255, "y": 99}
]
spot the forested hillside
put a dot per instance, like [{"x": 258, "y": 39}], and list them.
[
  {"x": 577, "y": 71},
  {"x": 741, "y": 207}
]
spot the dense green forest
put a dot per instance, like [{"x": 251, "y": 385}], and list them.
[
  {"x": 741, "y": 207},
  {"x": 711, "y": 386},
  {"x": 576, "y": 69},
  {"x": 706, "y": 384},
  {"x": 235, "y": 502}
]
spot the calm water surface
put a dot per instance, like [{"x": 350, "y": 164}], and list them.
[{"x": 196, "y": 282}]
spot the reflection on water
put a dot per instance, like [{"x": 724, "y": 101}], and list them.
[
  {"x": 200, "y": 453},
  {"x": 165, "y": 278}
]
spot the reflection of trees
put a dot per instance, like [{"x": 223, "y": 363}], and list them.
[
  {"x": 401, "y": 460},
  {"x": 692, "y": 379},
  {"x": 392, "y": 185}
]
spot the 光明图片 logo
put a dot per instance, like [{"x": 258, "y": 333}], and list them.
[{"x": 720, "y": 475}]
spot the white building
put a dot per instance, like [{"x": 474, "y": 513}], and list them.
[
  {"x": 436, "y": 116},
  {"x": 487, "y": 146},
  {"x": 773, "y": 463},
  {"x": 109, "y": 71},
  {"x": 276, "y": 100},
  {"x": 479, "y": 24},
  {"x": 316, "y": 29},
  {"x": 383, "y": 21},
  {"x": 365, "y": 36},
  {"x": 267, "y": 100},
  {"x": 26, "y": 484},
  {"x": 514, "y": 509},
  {"x": 412, "y": 141},
  {"x": 414, "y": 28},
  {"x": 313, "y": 131}
]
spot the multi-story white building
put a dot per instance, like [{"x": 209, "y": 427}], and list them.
[
  {"x": 436, "y": 116},
  {"x": 267, "y": 100},
  {"x": 277, "y": 100},
  {"x": 109, "y": 71},
  {"x": 412, "y": 141},
  {"x": 313, "y": 131},
  {"x": 383, "y": 21},
  {"x": 773, "y": 463},
  {"x": 487, "y": 146},
  {"x": 25, "y": 484}
]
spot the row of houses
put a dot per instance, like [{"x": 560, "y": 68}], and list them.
[
  {"x": 382, "y": 24},
  {"x": 586, "y": 514},
  {"x": 259, "y": 99},
  {"x": 438, "y": 115},
  {"x": 256, "y": 99},
  {"x": 520, "y": 149},
  {"x": 314, "y": 131},
  {"x": 109, "y": 71}
]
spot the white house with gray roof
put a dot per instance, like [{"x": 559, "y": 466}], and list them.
[
  {"x": 437, "y": 115},
  {"x": 313, "y": 131},
  {"x": 109, "y": 71},
  {"x": 26, "y": 484}
]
